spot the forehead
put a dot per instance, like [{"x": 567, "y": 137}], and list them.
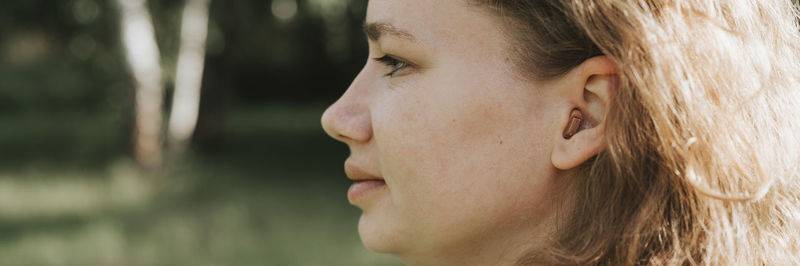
[{"x": 434, "y": 22}]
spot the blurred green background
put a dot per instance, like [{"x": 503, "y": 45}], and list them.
[{"x": 259, "y": 183}]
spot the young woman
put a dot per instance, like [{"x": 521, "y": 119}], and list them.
[{"x": 611, "y": 132}]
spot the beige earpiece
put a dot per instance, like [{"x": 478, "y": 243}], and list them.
[{"x": 575, "y": 119}]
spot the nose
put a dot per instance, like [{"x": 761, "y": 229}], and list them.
[{"x": 348, "y": 119}]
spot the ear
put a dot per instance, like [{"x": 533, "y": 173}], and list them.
[{"x": 587, "y": 88}]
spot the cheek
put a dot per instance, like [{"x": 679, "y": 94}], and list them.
[{"x": 454, "y": 153}]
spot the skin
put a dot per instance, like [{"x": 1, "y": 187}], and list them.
[{"x": 472, "y": 152}]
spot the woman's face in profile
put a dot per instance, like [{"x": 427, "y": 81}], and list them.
[{"x": 461, "y": 142}]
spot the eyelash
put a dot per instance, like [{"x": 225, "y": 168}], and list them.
[{"x": 392, "y": 62}]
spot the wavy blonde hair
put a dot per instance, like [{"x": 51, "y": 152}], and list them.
[{"x": 703, "y": 153}]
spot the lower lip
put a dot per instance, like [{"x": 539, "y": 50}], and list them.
[{"x": 360, "y": 190}]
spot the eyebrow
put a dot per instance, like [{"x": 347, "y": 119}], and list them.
[{"x": 376, "y": 30}]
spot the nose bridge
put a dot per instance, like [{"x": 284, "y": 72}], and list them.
[{"x": 348, "y": 119}]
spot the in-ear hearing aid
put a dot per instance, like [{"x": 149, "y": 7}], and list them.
[{"x": 575, "y": 119}]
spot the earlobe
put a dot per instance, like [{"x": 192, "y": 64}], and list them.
[{"x": 571, "y": 153}]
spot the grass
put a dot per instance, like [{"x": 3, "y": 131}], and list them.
[{"x": 275, "y": 195}]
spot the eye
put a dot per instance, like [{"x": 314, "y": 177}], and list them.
[{"x": 393, "y": 63}]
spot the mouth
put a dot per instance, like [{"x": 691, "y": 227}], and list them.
[
  {"x": 361, "y": 190},
  {"x": 365, "y": 184}
]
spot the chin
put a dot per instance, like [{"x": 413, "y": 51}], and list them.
[{"x": 379, "y": 234}]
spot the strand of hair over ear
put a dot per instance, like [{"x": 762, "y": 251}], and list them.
[{"x": 693, "y": 178}]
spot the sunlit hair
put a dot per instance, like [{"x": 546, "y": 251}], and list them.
[{"x": 702, "y": 161}]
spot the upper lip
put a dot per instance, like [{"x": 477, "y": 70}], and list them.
[{"x": 358, "y": 174}]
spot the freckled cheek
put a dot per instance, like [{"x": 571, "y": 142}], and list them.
[
  {"x": 424, "y": 150},
  {"x": 411, "y": 154},
  {"x": 409, "y": 145}
]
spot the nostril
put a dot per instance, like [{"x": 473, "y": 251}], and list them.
[
  {"x": 347, "y": 123},
  {"x": 353, "y": 126}
]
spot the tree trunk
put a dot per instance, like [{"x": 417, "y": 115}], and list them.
[
  {"x": 189, "y": 75},
  {"x": 141, "y": 50}
]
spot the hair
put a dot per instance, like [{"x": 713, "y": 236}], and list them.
[{"x": 703, "y": 158}]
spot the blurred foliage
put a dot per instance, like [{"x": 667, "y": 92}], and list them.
[
  {"x": 264, "y": 185},
  {"x": 64, "y": 57},
  {"x": 263, "y": 200}
]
